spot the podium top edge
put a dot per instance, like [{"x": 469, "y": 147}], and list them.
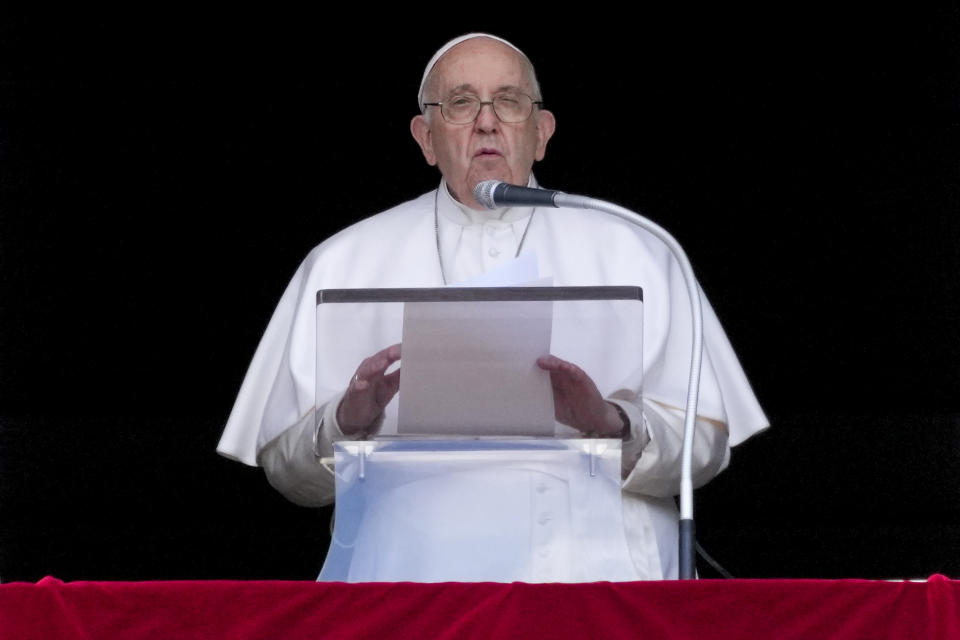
[{"x": 480, "y": 294}]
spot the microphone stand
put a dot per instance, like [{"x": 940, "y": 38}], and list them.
[{"x": 687, "y": 531}]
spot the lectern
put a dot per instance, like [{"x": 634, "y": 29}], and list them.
[{"x": 451, "y": 487}]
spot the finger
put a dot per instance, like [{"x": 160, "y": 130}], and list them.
[
  {"x": 549, "y": 362},
  {"x": 378, "y": 362},
  {"x": 554, "y": 364},
  {"x": 393, "y": 352},
  {"x": 369, "y": 368},
  {"x": 563, "y": 388},
  {"x": 567, "y": 378},
  {"x": 392, "y": 378},
  {"x": 385, "y": 357},
  {"x": 391, "y": 384}
]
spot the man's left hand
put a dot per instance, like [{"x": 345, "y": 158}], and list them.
[{"x": 577, "y": 401}]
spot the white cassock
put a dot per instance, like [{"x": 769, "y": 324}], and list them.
[{"x": 272, "y": 422}]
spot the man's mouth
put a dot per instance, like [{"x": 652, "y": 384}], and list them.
[{"x": 486, "y": 152}]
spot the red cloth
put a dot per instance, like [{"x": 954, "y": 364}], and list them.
[{"x": 781, "y": 609}]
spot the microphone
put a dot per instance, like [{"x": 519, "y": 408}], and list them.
[{"x": 494, "y": 194}]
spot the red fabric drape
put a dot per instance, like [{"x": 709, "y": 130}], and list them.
[{"x": 753, "y": 609}]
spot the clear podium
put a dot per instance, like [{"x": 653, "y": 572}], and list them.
[{"x": 467, "y": 481}]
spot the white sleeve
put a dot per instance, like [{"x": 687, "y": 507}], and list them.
[
  {"x": 298, "y": 462},
  {"x": 292, "y": 466},
  {"x": 652, "y": 455}
]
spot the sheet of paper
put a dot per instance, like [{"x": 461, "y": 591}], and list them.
[
  {"x": 516, "y": 273},
  {"x": 469, "y": 368}
]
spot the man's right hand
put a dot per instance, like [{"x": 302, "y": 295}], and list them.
[{"x": 370, "y": 390}]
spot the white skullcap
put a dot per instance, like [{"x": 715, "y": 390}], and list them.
[{"x": 450, "y": 45}]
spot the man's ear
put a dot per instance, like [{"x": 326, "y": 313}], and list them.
[
  {"x": 420, "y": 129},
  {"x": 546, "y": 124}
]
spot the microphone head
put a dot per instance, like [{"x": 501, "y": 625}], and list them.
[{"x": 483, "y": 193}]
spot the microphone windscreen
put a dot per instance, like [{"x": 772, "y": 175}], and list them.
[{"x": 483, "y": 193}]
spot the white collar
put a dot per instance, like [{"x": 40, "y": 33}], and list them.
[{"x": 460, "y": 214}]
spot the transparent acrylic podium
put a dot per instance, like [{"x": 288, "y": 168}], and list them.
[{"x": 470, "y": 503}]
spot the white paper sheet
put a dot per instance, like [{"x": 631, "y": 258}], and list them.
[
  {"x": 517, "y": 273},
  {"x": 469, "y": 368}
]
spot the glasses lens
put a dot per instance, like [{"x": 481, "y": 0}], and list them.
[
  {"x": 460, "y": 109},
  {"x": 513, "y": 107}
]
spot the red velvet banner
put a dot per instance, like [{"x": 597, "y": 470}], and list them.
[{"x": 753, "y": 609}]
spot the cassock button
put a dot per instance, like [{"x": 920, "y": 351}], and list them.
[
  {"x": 491, "y": 230},
  {"x": 493, "y": 252},
  {"x": 544, "y": 518}
]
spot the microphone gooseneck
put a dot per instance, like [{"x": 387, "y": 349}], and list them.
[{"x": 495, "y": 194}]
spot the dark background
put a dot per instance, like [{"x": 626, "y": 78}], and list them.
[{"x": 162, "y": 175}]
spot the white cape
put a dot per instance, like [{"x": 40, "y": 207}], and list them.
[{"x": 398, "y": 249}]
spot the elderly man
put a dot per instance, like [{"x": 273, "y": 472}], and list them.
[{"x": 482, "y": 118}]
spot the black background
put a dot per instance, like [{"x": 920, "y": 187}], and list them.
[{"x": 163, "y": 174}]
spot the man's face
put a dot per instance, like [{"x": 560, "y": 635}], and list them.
[{"x": 485, "y": 149}]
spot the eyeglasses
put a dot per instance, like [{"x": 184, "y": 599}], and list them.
[{"x": 510, "y": 108}]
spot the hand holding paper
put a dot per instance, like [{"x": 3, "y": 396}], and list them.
[
  {"x": 577, "y": 401},
  {"x": 370, "y": 390}
]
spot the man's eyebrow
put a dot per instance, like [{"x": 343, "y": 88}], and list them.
[
  {"x": 469, "y": 88},
  {"x": 461, "y": 88}
]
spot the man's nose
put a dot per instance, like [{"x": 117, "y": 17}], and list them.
[{"x": 487, "y": 119}]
